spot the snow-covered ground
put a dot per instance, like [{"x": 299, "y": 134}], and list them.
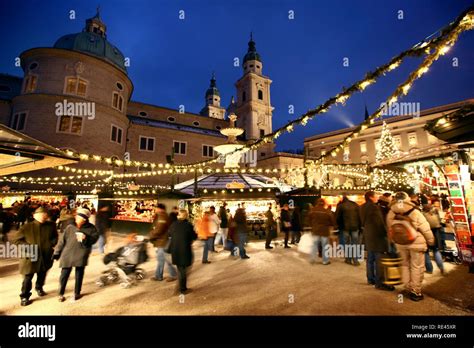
[{"x": 272, "y": 282}]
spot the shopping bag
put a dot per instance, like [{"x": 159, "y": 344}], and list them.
[{"x": 306, "y": 243}]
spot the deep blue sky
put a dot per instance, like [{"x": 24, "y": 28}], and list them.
[{"x": 172, "y": 59}]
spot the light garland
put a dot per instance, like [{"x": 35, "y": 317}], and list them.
[
  {"x": 448, "y": 37},
  {"x": 84, "y": 171},
  {"x": 440, "y": 44},
  {"x": 447, "y": 40}
]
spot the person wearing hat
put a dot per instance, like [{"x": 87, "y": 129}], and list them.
[
  {"x": 43, "y": 234},
  {"x": 73, "y": 250}
]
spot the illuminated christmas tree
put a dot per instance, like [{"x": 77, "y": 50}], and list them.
[{"x": 386, "y": 147}]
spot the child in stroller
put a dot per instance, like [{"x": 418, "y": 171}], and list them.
[{"x": 124, "y": 263}]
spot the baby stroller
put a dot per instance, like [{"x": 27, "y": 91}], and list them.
[{"x": 124, "y": 263}]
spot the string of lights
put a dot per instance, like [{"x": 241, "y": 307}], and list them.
[
  {"x": 449, "y": 34},
  {"x": 441, "y": 48}
]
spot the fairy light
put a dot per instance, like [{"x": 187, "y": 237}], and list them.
[{"x": 444, "y": 50}]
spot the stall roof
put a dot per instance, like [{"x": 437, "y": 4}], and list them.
[
  {"x": 425, "y": 153},
  {"x": 229, "y": 181},
  {"x": 20, "y": 153}
]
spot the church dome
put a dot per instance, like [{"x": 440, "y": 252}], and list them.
[
  {"x": 93, "y": 41},
  {"x": 252, "y": 53},
  {"x": 212, "y": 90}
]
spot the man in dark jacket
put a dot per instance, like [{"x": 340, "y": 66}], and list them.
[
  {"x": 159, "y": 237},
  {"x": 376, "y": 240},
  {"x": 348, "y": 222},
  {"x": 295, "y": 225},
  {"x": 102, "y": 225},
  {"x": 182, "y": 237},
  {"x": 73, "y": 250},
  {"x": 270, "y": 228},
  {"x": 42, "y": 234},
  {"x": 240, "y": 219},
  {"x": 285, "y": 218},
  {"x": 322, "y": 221}
]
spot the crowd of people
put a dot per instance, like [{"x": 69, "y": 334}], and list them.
[
  {"x": 68, "y": 235},
  {"x": 65, "y": 231},
  {"x": 373, "y": 223}
]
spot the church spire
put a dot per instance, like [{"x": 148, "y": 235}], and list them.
[{"x": 213, "y": 101}]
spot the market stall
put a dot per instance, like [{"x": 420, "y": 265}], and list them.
[
  {"x": 254, "y": 190},
  {"x": 131, "y": 215},
  {"x": 443, "y": 172}
]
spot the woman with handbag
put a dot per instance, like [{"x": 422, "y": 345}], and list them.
[{"x": 73, "y": 250}]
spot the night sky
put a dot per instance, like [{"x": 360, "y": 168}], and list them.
[{"x": 172, "y": 59}]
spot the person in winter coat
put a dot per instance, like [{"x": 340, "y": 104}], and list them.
[
  {"x": 224, "y": 224},
  {"x": 285, "y": 218},
  {"x": 182, "y": 237},
  {"x": 240, "y": 219},
  {"x": 270, "y": 227},
  {"x": 432, "y": 216},
  {"x": 204, "y": 234},
  {"x": 232, "y": 237},
  {"x": 66, "y": 218},
  {"x": 348, "y": 222},
  {"x": 73, "y": 250},
  {"x": 159, "y": 237},
  {"x": 322, "y": 221},
  {"x": 102, "y": 225},
  {"x": 296, "y": 226},
  {"x": 43, "y": 234},
  {"x": 384, "y": 204},
  {"x": 413, "y": 255},
  {"x": 214, "y": 223},
  {"x": 376, "y": 240}
]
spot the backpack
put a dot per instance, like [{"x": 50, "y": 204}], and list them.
[{"x": 402, "y": 231}]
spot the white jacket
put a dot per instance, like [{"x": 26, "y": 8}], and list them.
[
  {"x": 424, "y": 235},
  {"x": 214, "y": 223}
]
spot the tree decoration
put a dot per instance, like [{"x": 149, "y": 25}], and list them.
[{"x": 386, "y": 147}]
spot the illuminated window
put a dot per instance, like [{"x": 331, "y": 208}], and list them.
[
  {"x": 116, "y": 134},
  {"x": 363, "y": 147},
  {"x": 323, "y": 151},
  {"x": 76, "y": 86},
  {"x": 19, "y": 121},
  {"x": 30, "y": 83},
  {"x": 207, "y": 151},
  {"x": 147, "y": 144},
  {"x": 412, "y": 141},
  {"x": 117, "y": 101},
  {"x": 70, "y": 124}
]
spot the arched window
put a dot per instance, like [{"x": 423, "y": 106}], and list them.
[
  {"x": 244, "y": 96},
  {"x": 260, "y": 94}
]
